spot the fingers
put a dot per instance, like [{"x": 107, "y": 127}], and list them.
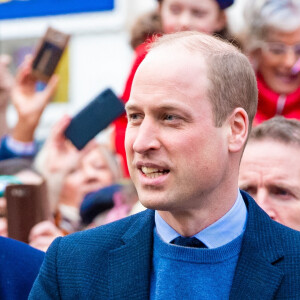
[
  {"x": 89, "y": 147},
  {"x": 59, "y": 128},
  {"x": 45, "y": 228},
  {"x": 5, "y": 60},
  {"x": 50, "y": 89},
  {"x": 6, "y": 78},
  {"x": 25, "y": 81}
]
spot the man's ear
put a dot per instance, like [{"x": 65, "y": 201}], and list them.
[
  {"x": 221, "y": 22},
  {"x": 239, "y": 125}
]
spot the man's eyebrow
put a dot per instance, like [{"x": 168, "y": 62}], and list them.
[{"x": 131, "y": 106}]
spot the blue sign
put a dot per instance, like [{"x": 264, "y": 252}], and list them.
[{"x": 11, "y": 9}]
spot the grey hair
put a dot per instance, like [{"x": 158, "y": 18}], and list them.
[
  {"x": 261, "y": 16},
  {"x": 113, "y": 162},
  {"x": 279, "y": 129}
]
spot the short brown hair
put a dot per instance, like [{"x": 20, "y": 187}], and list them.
[
  {"x": 278, "y": 129},
  {"x": 233, "y": 81}
]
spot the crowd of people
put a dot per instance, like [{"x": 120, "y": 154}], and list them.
[{"x": 212, "y": 122}]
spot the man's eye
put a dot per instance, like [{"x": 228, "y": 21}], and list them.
[
  {"x": 171, "y": 118},
  {"x": 133, "y": 116},
  {"x": 277, "y": 191}
]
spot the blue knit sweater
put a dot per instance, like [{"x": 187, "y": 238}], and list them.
[{"x": 193, "y": 273}]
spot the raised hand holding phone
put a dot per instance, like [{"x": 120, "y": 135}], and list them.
[
  {"x": 48, "y": 53},
  {"x": 93, "y": 118}
]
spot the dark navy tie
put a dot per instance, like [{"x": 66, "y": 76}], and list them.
[{"x": 188, "y": 242}]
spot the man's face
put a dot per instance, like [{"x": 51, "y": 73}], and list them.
[
  {"x": 270, "y": 173},
  {"x": 176, "y": 155}
]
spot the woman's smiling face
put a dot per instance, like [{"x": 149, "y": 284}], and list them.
[{"x": 276, "y": 58}]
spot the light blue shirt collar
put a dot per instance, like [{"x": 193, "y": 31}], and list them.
[{"x": 223, "y": 231}]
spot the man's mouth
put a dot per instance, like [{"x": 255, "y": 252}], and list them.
[{"x": 153, "y": 172}]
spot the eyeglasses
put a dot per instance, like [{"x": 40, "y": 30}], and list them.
[{"x": 280, "y": 49}]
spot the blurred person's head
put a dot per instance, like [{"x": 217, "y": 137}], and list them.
[
  {"x": 96, "y": 169},
  {"x": 270, "y": 169},
  {"x": 273, "y": 42},
  {"x": 206, "y": 16}
]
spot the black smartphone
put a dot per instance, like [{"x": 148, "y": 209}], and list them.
[
  {"x": 48, "y": 53},
  {"x": 93, "y": 118}
]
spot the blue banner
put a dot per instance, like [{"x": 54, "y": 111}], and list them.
[{"x": 11, "y": 9}]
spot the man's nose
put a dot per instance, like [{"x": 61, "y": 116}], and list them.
[
  {"x": 147, "y": 137},
  {"x": 264, "y": 200}
]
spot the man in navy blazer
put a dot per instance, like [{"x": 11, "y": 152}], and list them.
[
  {"x": 191, "y": 107},
  {"x": 20, "y": 265}
]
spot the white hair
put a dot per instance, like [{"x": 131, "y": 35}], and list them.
[{"x": 261, "y": 16}]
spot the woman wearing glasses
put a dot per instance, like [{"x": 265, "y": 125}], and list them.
[{"x": 272, "y": 41}]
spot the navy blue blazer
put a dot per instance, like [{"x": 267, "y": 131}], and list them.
[
  {"x": 19, "y": 266},
  {"x": 114, "y": 261}
]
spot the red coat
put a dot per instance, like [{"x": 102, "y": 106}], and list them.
[
  {"x": 121, "y": 123},
  {"x": 271, "y": 104}
]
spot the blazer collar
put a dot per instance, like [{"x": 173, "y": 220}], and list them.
[
  {"x": 130, "y": 264},
  {"x": 256, "y": 275}
]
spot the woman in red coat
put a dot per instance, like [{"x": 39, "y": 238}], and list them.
[{"x": 273, "y": 42}]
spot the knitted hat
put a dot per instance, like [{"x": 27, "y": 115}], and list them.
[{"x": 222, "y": 3}]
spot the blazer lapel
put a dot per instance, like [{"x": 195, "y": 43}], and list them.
[
  {"x": 130, "y": 265},
  {"x": 256, "y": 275}
]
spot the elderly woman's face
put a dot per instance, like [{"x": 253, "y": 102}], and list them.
[
  {"x": 92, "y": 173},
  {"x": 94, "y": 167},
  {"x": 276, "y": 59}
]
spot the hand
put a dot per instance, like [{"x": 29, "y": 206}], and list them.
[
  {"x": 6, "y": 80},
  {"x": 42, "y": 235},
  {"x": 61, "y": 154},
  {"x": 28, "y": 102},
  {"x": 6, "y": 83}
]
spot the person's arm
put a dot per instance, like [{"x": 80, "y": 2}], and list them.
[
  {"x": 46, "y": 285},
  {"x": 10, "y": 148},
  {"x": 28, "y": 102}
]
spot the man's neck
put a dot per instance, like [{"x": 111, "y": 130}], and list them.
[{"x": 190, "y": 222}]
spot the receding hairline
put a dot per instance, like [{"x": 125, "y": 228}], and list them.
[{"x": 190, "y": 41}]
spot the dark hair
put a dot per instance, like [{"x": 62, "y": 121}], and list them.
[{"x": 145, "y": 27}]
